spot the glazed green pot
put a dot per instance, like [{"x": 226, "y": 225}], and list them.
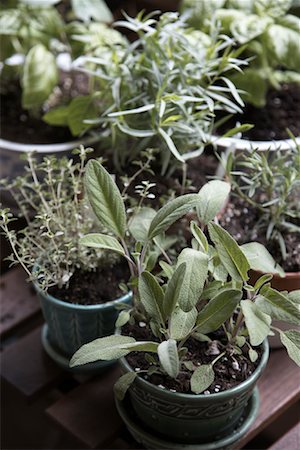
[
  {"x": 69, "y": 326},
  {"x": 189, "y": 418}
]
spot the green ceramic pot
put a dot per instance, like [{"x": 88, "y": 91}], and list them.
[
  {"x": 72, "y": 325},
  {"x": 188, "y": 418}
]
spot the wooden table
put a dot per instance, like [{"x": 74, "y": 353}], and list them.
[{"x": 79, "y": 412}]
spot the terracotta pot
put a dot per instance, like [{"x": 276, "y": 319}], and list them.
[{"x": 290, "y": 282}]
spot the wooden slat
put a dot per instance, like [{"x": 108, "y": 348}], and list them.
[
  {"x": 18, "y": 300},
  {"x": 290, "y": 441},
  {"x": 88, "y": 412},
  {"x": 279, "y": 388},
  {"x": 26, "y": 366}
]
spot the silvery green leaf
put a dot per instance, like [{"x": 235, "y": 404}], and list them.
[
  {"x": 92, "y": 9},
  {"x": 199, "y": 236},
  {"x": 194, "y": 278},
  {"x": 105, "y": 198},
  {"x": 294, "y": 296},
  {"x": 291, "y": 340},
  {"x": 260, "y": 259},
  {"x": 122, "y": 319},
  {"x": 278, "y": 305},
  {"x": 140, "y": 223},
  {"x": 202, "y": 378},
  {"x": 273, "y": 8},
  {"x": 38, "y": 83},
  {"x": 182, "y": 323},
  {"x": 102, "y": 241},
  {"x": 218, "y": 310},
  {"x": 152, "y": 296},
  {"x": 168, "y": 357},
  {"x": 229, "y": 252},
  {"x": 249, "y": 27},
  {"x": 172, "y": 147},
  {"x": 40, "y": 3},
  {"x": 261, "y": 281},
  {"x": 139, "y": 110},
  {"x": 283, "y": 43},
  {"x": 106, "y": 348},
  {"x": 171, "y": 212},
  {"x": 257, "y": 322},
  {"x": 123, "y": 384},
  {"x": 168, "y": 270},
  {"x": 173, "y": 291},
  {"x": 253, "y": 355}
]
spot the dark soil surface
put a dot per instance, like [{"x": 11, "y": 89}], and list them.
[
  {"x": 18, "y": 125},
  {"x": 230, "y": 370},
  {"x": 281, "y": 111},
  {"x": 92, "y": 288},
  {"x": 240, "y": 220}
]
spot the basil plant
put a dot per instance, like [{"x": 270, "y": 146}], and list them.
[
  {"x": 205, "y": 288},
  {"x": 267, "y": 34}
]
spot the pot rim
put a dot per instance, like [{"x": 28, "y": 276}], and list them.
[
  {"x": 72, "y": 306},
  {"x": 47, "y": 148},
  {"x": 247, "y": 144},
  {"x": 196, "y": 397}
]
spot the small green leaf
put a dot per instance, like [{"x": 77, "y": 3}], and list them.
[
  {"x": 57, "y": 116},
  {"x": 167, "y": 269},
  {"x": 199, "y": 236},
  {"x": 202, "y": 378},
  {"x": 171, "y": 212},
  {"x": 213, "y": 196},
  {"x": 229, "y": 252},
  {"x": 173, "y": 290},
  {"x": 122, "y": 319},
  {"x": 80, "y": 109},
  {"x": 291, "y": 340},
  {"x": 140, "y": 223},
  {"x": 260, "y": 259},
  {"x": 261, "y": 281},
  {"x": 257, "y": 322},
  {"x": 194, "y": 278},
  {"x": 123, "y": 384},
  {"x": 106, "y": 348},
  {"x": 151, "y": 295},
  {"x": 218, "y": 310},
  {"x": 168, "y": 357},
  {"x": 92, "y": 9},
  {"x": 182, "y": 323},
  {"x": 253, "y": 355},
  {"x": 103, "y": 241},
  {"x": 105, "y": 198}
]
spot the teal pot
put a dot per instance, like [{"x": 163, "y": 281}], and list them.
[
  {"x": 69, "y": 326},
  {"x": 189, "y": 418}
]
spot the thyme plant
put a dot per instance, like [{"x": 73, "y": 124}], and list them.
[
  {"x": 204, "y": 289},
  {"x": 162, "y": 90},
  {"x": 270, "y": 183},
  {"x": 267, "y": 34}
]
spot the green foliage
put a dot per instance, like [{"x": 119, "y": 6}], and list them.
[
  {"x": 264, "y": 31},
  {"x": 269, "y": 182}
]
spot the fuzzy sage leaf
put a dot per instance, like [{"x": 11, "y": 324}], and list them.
[
  {"x": 257, "y": 322},
  {"x": 202, "y": 378},
  {"x": 212, "y": 198},
  {"x": 102, "y": 241},
  {"x": 168, "y": 357}
]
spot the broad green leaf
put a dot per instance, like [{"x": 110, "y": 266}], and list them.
[
  {"x": 105, "y": 198},
  {"x": 255, "y": 84},
  {"x": 273, "y": 8},
  {"x": 194, "y": 278},
  {"x": 182, "y": 323},
  {"x": 123, "y": 384},
  {"x": 291, "y": 340},
  {"x": 278, "y": 305},
  {"x": 103, "y": 241},
  {"x": 171, "y": 212},
  {"x": 92, "y": 9},
  {"x": 218, "y": 310},
  {"x": 229, "y": 252},
  {"x": 38, "y": 83},
  {"x": 168, "y": 357},
  {"x": 80, "y": 109},
  {"x": 249, "y": 27},
  {"x": 173, "y": 291},
  {"x": 257, "y": 322},
  {"x": 202, "y": 378},
  {"x": 122, "y": 319},
  {"x": 199, "y": 236},
  {"x": 106, "y": 348},
  {"x": 260, "y": 259},
  {"x": 283, "y": 43},
  {"x": 294, "y": 296},
  {"x": 140, "y": 223},
  {"x": 213, "y": 196},
  {"x": 152, "y": 296},
  {"x": 57, "y": 116}
]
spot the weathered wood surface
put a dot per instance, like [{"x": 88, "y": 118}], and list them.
[{"x": 290, "y": 441}]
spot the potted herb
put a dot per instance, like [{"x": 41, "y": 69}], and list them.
[
  {"x": 78, "y": 287},
  {"x": 37, "y": 49},
  {"x": 267, "y": 34},
  {"x": 265, "y": 208},
  {"x": 193, "y": 321},
  {"x": 162, "y": 90}
]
